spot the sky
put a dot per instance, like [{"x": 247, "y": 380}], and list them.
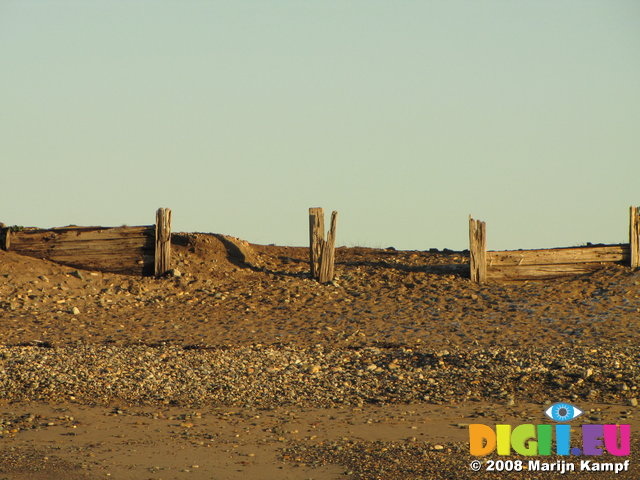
[{"x": 404, "y": 116}]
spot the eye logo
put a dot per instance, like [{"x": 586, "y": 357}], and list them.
[{"x": 563, "y": 412}]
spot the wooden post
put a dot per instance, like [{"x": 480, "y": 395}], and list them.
[
  {"x": 327, "y": 260},
  {"x": 163, "y": 241},
  {"x": 5, "y": 238},
  {"x": 634, "y": 236},
  {"x": 316, "y": 239},
  {"x": 477, "y": 251}
]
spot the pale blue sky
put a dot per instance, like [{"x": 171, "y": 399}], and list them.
[{"x": 406, "y": 116}]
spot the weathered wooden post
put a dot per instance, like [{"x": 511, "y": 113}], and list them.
[
  {"x": 477, "y": 251},
  {"x": 327, "y": 260},
  {"x": 316, "y": 239},
  {"x": 5, "y": 238},
  {"x": 321, "y": 251},
  {"x": 634, "y": 236},
  {"x": 162, "y": 262}
]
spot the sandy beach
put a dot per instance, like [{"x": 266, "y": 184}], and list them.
[{"x": 242, "y": 366}]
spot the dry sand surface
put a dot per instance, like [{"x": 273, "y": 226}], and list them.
[{"x": 240, "y": 366}]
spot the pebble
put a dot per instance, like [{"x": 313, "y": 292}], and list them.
[
  {"x": 265, "y": 376},
  {"x": 377, "y": 460}
]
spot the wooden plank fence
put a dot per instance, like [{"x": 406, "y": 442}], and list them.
[
  {"x": 146, "y": 250},
  {"x": 547, "y": 263},
  {"x": 140, "y": 250}
]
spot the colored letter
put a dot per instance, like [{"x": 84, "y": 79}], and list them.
[
  {"x": 544, "y": 439},
  {"x": 563, "y": 439},
  {"x": 523, "y": 439},
  {"x": 482, "y": 439},
  {"x": 611, "y": 439},
  {"x": 503, "y": 434},
  {"x": 592, "y": 439}
]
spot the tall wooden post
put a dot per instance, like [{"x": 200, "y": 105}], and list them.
[
  {"x": 163, "y": 241},
  {"x": 316, "y": 239},
  {"x": 327, "y": 260},
  {"x": 634, "y": 236},
  {"x": 477, "y": 250}
]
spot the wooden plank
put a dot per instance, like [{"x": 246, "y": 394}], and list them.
[
  {"x": 111, "y": 247},
  {"x": 558, "y": 256},
  {"x": 84, "y": 233},
  {"x": 316, "y": 239},
  {"x": 118, "y": 250},
  {"x": 539, "y": 272},
  {"x": 163, "y": 241},
  {"x": 42, "y": 243},
  {"x": 634, "y": 237},
  {"x": 123, "y": 230},
  {"x": 327, "y": 260},
  {"x": 133, "y": 263},
  {"x": 477, "y": 251}
]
